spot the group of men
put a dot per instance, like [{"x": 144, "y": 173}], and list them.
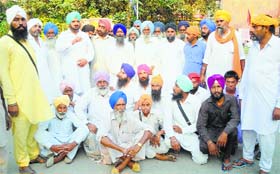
[{"x": 138, "y": 94}]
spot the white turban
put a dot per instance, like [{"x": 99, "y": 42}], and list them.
[
  {"x": 33, "y": 22},
  {"x": 13, "y": 11}
]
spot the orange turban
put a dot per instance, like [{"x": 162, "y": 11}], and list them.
[
  {"x": 157, "y": 79},
  {"x": 264, "y": 20},
  {"x": 193, "y": 30},
  {"x": 145, "y": 97},
  {"x": 222, "y": 14}
]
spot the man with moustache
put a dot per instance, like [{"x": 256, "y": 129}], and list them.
[
  {"x": 76, "y": 51},
  {"x": 132, "y": 36},
  {"x": 207, "y": 26},
  {"x": 217, "y": 122},
  {"x": 197, "y": 90},
  {"x": 182, "y": 28},
  {"x": 27, "y": 103},
  {"x": 144, "y": 72},
  {"x": 224, "y": 50}
]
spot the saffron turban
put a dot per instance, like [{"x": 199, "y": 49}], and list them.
[
  {"x": 216, "y": 78},
  {"x": 171, "y": 25},
  {"x": 101, "y": 75},
  {"x": 137, "y": 22},
  {"x": 193, "y": 30},
  {"x": 49, "y": 26},
  {"x": 32, "y": 22},
  {"x": 121, "y": 26},
  {"x": 145, "y": 68},
  {"x": 157, "y": 80},
  {"x": 65, "y": 84},
  {"x": 146, "y": 97},
  {"x": 210, "y": 24},
  {"x": 114, "y": 98},
  {"x": 222, "y": 14},
  {"x": 106, "y": 23},
  {"x": 73, "y": 15},
  {"x": 183, "y": 23},
  {"x": 194, "y": 76},
  {"x": 148, "y": 24},
  {"x": 13, "y": 11},
  {"x": 264, "y": 20},
  {"x": 64, "y": 99},
  {"x": 184, "y": 83},
  {"x": 160, "y": 25},
  {"x": 128, "y": 69},
  {"x": 133, "y": 29}
]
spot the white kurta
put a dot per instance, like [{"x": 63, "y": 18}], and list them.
[
  {"x": 219, "y": 57},
  {"x": 131, "y": 94},
  {"x": 71, "y": 54},
  {"x": 202, "y": 94},
  {"x": 260, "y": 88}
]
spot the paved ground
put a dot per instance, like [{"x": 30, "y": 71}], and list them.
[{"x": 183, "y": 165}]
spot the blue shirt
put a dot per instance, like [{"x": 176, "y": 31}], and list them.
[{"x": 193, "y": 57}]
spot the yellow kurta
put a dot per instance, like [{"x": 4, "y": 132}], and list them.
[{"x": 20, "y": 81}]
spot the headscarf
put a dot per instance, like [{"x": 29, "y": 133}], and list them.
[
  {"x": 160, "y": 25},
  {"x": 32, "y": 22},
  {"x": 171, "y": 25},
  {"x": 121, "y": 26},
  {"x": 128, "y": 69},
  {"x": 133, "y": 29},
  {"x": 184, "y": 83},
  {"x": 106, "y": 23},
  {"x": 65, "y": 84},
  {"x": 222, "y": 14},
  {"x": 49, "y": 26},
  {"x": 73, "y": 15},
  {"x": 146, "y": 97},
  {"x": 216, "y": 78},
  {"x": 144, "y": 67},
  {"x": 13, "y": 11},
  {"x": 148, "y": 24},
  {"x": 101, "y": 75},
  {"x": 114, "y": 98},
  {"x": 137, "y": 22},
  {"x": 194, "y": 76},
  {"x": 183, "y": 23},
  {"x": 64, "y": 99},
  {"x": 264, "y": 20},
  {"x": 209, "y": 23},
  {"x": 157, "y": 80},
  {"x": 193, "y": 30}
]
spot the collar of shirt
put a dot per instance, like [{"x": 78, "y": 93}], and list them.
[{"x": 227, "y": 99}]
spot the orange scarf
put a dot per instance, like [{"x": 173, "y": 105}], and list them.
[{"x": 236, "y": 57}]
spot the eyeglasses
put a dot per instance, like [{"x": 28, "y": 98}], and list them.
[{"x": 217, "y": 21}]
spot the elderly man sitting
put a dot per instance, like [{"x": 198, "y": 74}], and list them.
[
  {"x": 59, "y": 138},
  {"x": 123, "y": 135}
]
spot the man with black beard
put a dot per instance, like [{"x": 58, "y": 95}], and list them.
[
  {"x": 207, "y": 26},
  {"x": 197, "y": 90},
  {"x": 217, "y": 122},
  {"x": 156, "y": 93},
  {"x": 143, "y": 71}
]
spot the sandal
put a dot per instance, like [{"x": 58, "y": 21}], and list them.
[
  {"x": 240, "y": 163},
  {"x": 226, "y": 166},
  {"x": 136, "y": 167},
  {"x": 50, "y": 161},
  {"x": 39, "y": 159}
]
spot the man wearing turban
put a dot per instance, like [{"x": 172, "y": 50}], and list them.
[
  {"x": 218, "y": 135},
  {"x": 260, "y": 97},
  {"x": 123, "y": 136},
  {"x": 26, "y": 101},
  {"x": 132, "y": 36},
  {"x": 137, "y": 24},
  {"x": 181, "y": 130},
  {"x": 60, "y": 137},
  {"x": 76, "y": 52},
  {"x": 159, "y": 31},
  {"x": 207, "y": 26},
  {"x": 182, "y": 28},
  {"x": 224, "y": 50},
  {"x": 143, "y": 72},
  {"x": 197, "y": 90}
]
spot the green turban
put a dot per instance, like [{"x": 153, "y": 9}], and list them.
[
  {"x": 184, "y": 83},
  {"x": 73, "y": 15}
]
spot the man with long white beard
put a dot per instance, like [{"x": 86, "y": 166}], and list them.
[{"x": 132, "y": 36}]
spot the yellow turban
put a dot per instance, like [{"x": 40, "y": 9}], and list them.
[
  {"x": 64, "y": 99},
  {"x": 145, "y": 97},
  {"x": 193, "y": 30},
  {"x": 157, "y": 79},
  {"x": 222, "y": 14},
  {"x": 264, "y": 20}
]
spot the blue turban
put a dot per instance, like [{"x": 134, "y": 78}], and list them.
[
  {"x": 128, "y": 69},
  {"x": 210, "y": 24},
  {"x": 114, "y": 98},
  {"x": 121, "y": 26},
  {"x": 133, "y": 29},
  {"x": 137, "y": 22},
  {"x": 183, "y": 23},
  {"x": 147, "y": 24},
  {"x": 171, "y": 25},
  {"x": 160, "y": 25},
  {"x": 73, "y": 15},
  {"x": 49, "y": 26}
]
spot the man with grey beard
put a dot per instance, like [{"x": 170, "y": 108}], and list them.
[
  {"x": 224, "y": 49},
  {"x": 132, "y": 36}
]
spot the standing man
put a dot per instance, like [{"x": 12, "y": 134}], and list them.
[
  {"x": 206, "y": 26},
  {"x": 260, "y": 97},
  {"x": 224, "y": 49},
  {"x": 27, "y": 103},
  {"x": 76, "y": 51},
  {"x": 182, "y": 28}
]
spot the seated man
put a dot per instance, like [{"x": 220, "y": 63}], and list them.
[
  {"x": 157, "y": 147},
  {"x": 68, "y": 88},
  {"x": 123, "y": 135},
  {"x": 217, "y": 122},
  {"x": 180, "y": 120},
  {"x": 198, "y": 91},
  {"x": 60, "y": 137}
]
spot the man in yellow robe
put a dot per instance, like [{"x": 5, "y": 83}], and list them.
[{"x": 26, "y": 101}]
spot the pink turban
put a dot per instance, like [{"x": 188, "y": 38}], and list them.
[
  {"x": 65, "y": 84},
  {"x": 216, "y": 78},
  {"x": 145, "y": 68},
  {"x": 194, "y": 77},
  {"x": 101, "y": 75},
  {"x": 106, "y": 23}
]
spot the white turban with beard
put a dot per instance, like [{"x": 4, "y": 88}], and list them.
[{"x": 13, "y": 11}]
